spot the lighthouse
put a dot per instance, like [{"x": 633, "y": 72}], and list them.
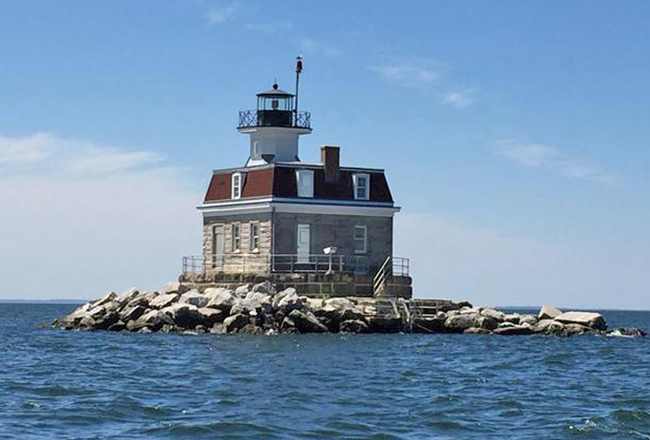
[{"x": 322, "y": 228}]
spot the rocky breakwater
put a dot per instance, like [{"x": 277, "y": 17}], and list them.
[{"x": 260, "y": 309}]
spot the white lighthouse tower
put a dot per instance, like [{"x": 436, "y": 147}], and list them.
[{"x": 274, "y": 127}]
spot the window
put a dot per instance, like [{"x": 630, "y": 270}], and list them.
[
  {"x": 256, "y": 149},
  {"x": 236, "y": 237},
  {"x": 361, "y": 186},
  {"x": 255, "y": 236},
  {"x": 236, "y": 185},
  {"x": 360, "y": 239},
  {"x": 305, "y": 183}
]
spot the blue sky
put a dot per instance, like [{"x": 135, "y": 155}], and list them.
[{"x": 514, "y": 135}]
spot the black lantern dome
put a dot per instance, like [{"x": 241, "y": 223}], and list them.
[{"x": 275, "y": 108}]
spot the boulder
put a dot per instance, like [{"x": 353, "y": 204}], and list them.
[
  {"x": 426, "y": 325},
  {"x": 512, "y": 317},
  {"x": 306, "y": 322},
  {"x": 243, "y": 290},
  {"x": 125, "y": 298},
  {"x": 461, "y": 322},
  {"x": 288, "y": 326},
  {"x": 542, "y": 325},
  {"x": 142, "y": 299},
  {"x": 287, "y": 301},
  {"x": 209, "y": 317},
  {"x": 152, "y": 320},
  {"x": 131, "y": 313},
  {"x": 523, "y": 329},
  {"x": 256, "y": 300},
  {"x": 108, "y": 298},
  {"x": 329, "y": 316},
  {"x": 117, "y": 327},
  {"x": 492, "y": 313},
  {"x": 106, "y": 320},
  {"x": 183, "y": 315},
  {"x": 175, "y": 287},
  {"x": 548, "y": 311},
  {"x": 340, "y": 303},
  {"x": 528, "y": 319},
  {"x": 219, "y": 329},
  {"x": 193, "y": 297},
  {"x": 577, "y": 329},
  {"x": 265, "y": 287},
  {"x": 222, "y": 299},
  {"x": 588, "y": 319},
  {"x": 353, "y": 326},
  {"x": 636, "y": 332},
  {"x": 380, "y": 324},
  {"x": 236, "y": 322},
  {"x": 162, "y": 301},
  {"x": 487, "y": 322}
]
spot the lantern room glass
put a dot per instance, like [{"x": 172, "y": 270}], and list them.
[{"x": 268, "y": 103}]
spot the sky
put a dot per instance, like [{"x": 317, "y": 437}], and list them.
[{"x": 514, "y": 135}]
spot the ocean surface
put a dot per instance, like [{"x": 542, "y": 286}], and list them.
[{"x": 97, "y": 385}]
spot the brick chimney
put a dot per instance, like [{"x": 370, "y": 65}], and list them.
[{"x": 330, "y": 157}]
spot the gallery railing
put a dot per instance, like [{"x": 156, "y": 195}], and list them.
[
  {"x": 275, "y": 263},
  {"x": 276, "y": 118}
]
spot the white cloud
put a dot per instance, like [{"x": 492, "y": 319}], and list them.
[
  {"x": 310, "y": 46},
  {"x": 220, "y": 13},
  {"x": 459, "y": 98},
  {"x": 489, "y": 267},
  {"x": 82, "y": 219},
  {"x": 551, "y": 158},
  {"x": 417, "y": 73},
  {"x": 25, "y": 151}
]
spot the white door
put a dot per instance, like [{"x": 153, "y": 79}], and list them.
[
  {"x": 218, "y": 246},
  {"x": 304, "y": 237}
]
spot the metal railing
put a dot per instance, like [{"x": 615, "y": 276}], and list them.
[
  {"x": 284, "y": 118},
  {"x": 275, "y": 263},
  {"x": 393, "y": 266}
]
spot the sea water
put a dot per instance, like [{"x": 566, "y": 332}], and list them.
[{"x": 57, "y": 384}]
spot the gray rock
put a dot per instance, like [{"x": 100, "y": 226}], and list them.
[
  {"x": 256, "y": 300},
  {"x": 354, "y": 326},
  {"x": 209, "y": 317},
  {"x": 243, "y": 290},
  {"x": 287, "y": 301},
  {"x": 380, "y": 324},
  {"x": 184, "y": 315},
  {"x": 288, "y": 326},
  {"x": 588, "y": 319},
  {"x": 306, "y": 322},
  {"x": 222, "y": 299},
  {"x": 477, "y": 331},
  {"x": 577, "y": 329},
  {"x": 162, "y": 301},
  {"x": 117, "y": 327},
  {"x": 487, "y": 322},
  {"x": 108, "y": 298},
  {"x": 152, "y": 320},
  {"x": 236, "y": 322},
  {"x": 528, "y": 319},
  {"x": 542, "y": 325},
  {"x": 125, "y": 298},
  {"x": 106, "y": 320},
  {"x": 132, "y": 313},
  {"x": 459, "y": 323},
  {"x": 265, "y": 287},
  {"x": 492, "y": 313},
  {"x": 219, "y": 329},
  {"x": 175, "y": 287},
  {"x": 193, "y": 297},
  {"x": 548, "y": 311},
  {"x": 523, "y": 329},
  {"x": 512, "y": 317}
]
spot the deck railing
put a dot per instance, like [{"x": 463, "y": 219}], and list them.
[
  {"x": 275, "y": 263},
  {"x": 282, "y": 118},
  {"x": 393, "y": 266}
]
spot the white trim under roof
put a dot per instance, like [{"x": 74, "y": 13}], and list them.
[{"x": 370, "y": 209}]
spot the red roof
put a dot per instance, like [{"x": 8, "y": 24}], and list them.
[{"x": 280, "y": 181}]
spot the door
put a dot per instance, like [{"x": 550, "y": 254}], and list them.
[
  {"x": 304, "y": 241},
  {"x": 217, "y": 248}
]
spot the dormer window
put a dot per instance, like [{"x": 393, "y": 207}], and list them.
[
  {"x": 305, "y": 183},
  {"x": 361, "y": 183},
  {"x": 236, "y": 185}
]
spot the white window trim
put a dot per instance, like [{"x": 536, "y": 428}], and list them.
[
  {"x": 235, "y": 244},
  {"x": 237, "y": 194},
  {"x": 309, "y": 176},
  {"x": 365, "y": 239},
  {"x": 254, "y": 249},
  {"x": 355, "y": 181}
]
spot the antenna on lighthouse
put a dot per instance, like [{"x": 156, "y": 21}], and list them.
[{"x": 298, "y": 71}]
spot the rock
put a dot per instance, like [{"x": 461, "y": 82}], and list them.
[
  {"x": 542, "y": 325},
  {"x": 512, "y": 317},
  {"x": 106, "y": 320},
  {"x": 314, "y": 304},
  {"x": 588, "y": 319},
  {"x": 380, "y": 324},
  {"x": 487, "y": 323},
  {"x": 353, "y": 326},
  {"x": 463, "y": 304},
  {"x": 288, "y": 326},
  {"x": 152, "y": 320},
  {"x": 175, "y": 287},
  {"x": 117, "y": 327},
  {"x": 636, "y": 332},
  {"x": 256, "y": 300},
  {"x": 142, "y": 299},
  {"x": 236, "y": 322},
  {"x": 209, "y": 317},
  {"x": 340, "y": 303},
  {"x": 528, "y": 319},
  {"x": 523, "y": 329},
  {"x": 265, "y": 287},
  {"x": 162, "y": 301},
  {"x": 495, "y": 314},
  {"x": 108, "y": 298},
  {"x": 287, "y": 301},
  {"x": 242, "y": 291},
  {"x": 459, "y": 323},
  {"x": 125, "y": 298},
  {"x": 222, "y": 299},
  {"x": 306, "y": 322},
  {"x": 555, "y": 328},
  {"x": 193, "y": 297},
  {"x": 476, "y": 331},
  {"x": 548, "y": 311},
  {"x": 183, "y": 315},
  {"x": 330, "y": 317},
  {"x": 219, "y": 329},
  {"x": 132, "y": 313},
  {"x": 577, "y": 329}
]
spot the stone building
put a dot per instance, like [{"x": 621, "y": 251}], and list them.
[{"x": 279, "y": 215}]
